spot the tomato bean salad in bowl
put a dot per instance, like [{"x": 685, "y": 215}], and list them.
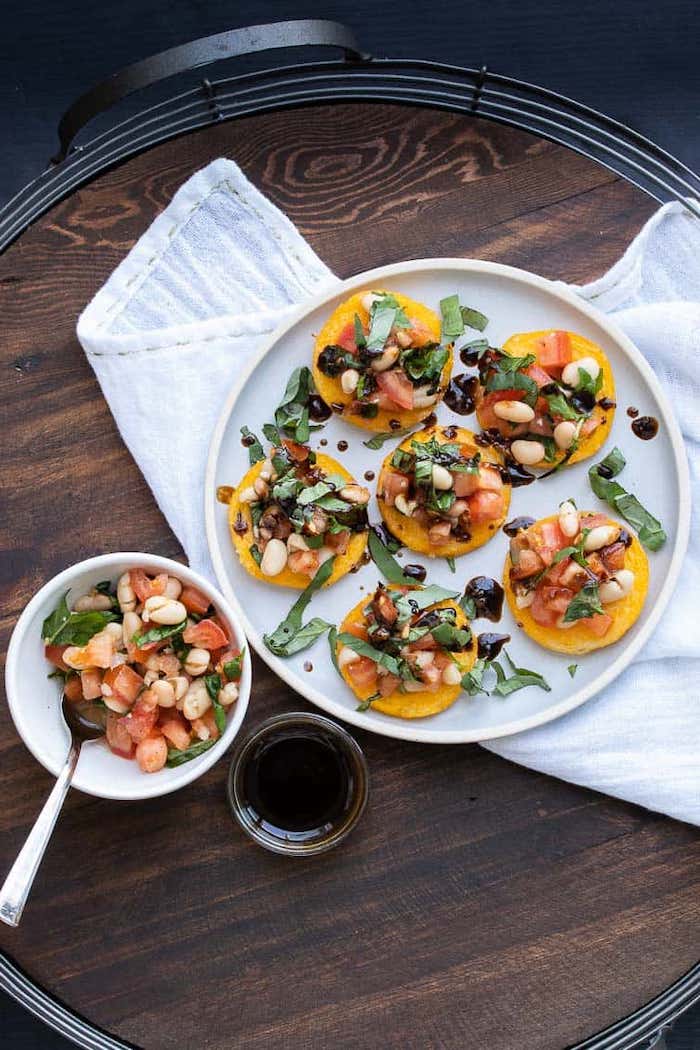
[{"x": 151, "y": 652}]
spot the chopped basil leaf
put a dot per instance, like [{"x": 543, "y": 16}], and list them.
[
  {"x": 473, "y": 681},
  {"x": 313, "y": 493},
  {"x": 424, "y": 364},
  {"x": 557, "y": 405},
  {"x": 379, "y": 439},
  {"x": 360, "y": 339},
  {"x": 386, "y": 299},
  {"x": 382, "y": 321},
  {"x": 213, "y": 684},
  {"x": 234, "y": 667},
  {"x": 514, "y": 381},
  {"x": 255, "y": 449},
  {"x": 388, "y": 566},
  {"x": 290, "y": 636},
  {"x": 158, "y": 633},
  {"x": 520, "y": 678},
  {"x": 365, "y": 705},
  {"x": 474, "y": 318},
  {"x": 468, "y": 606},
  {"x": 453, "y": 639},
  {"x": 178, "y": 758},
  {"x": 332, "y": 643},
  {"x": 572, "y": 669},
  {"x": 255, "y": 553},
  {"x": 421, "y": 598},
  {"x": 508, "y": 364},
  {"x": 451, "y": 564},
  {"x": 650, "y": 531},
  {"x": 587, "y": 385},
  {"x": 272, "y": 434},
  {"x": 585, "y": 603},
  {"x": 292, "y": 414},
  {"x": 64, "y": 627},
  {"x": 452, "y": 321}
]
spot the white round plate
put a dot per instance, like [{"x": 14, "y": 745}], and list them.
[{"x": 656, "y": 471}]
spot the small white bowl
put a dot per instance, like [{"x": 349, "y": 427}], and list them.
[{"x": 35, "y": 700}]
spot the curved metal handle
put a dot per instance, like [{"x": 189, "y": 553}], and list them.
[
  {"x": 17, "y": 885},
  {"x": 305, "y": 32}
]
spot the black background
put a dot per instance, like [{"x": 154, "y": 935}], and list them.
[{"x": 637, "y": 61}]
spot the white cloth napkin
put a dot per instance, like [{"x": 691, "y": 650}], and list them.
[{"x": 222, "y": 267}]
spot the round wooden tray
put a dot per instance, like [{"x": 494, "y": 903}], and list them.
[{"x": 477, "y": 904}]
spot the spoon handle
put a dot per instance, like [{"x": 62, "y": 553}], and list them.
[{"x": 15, "y": 890}]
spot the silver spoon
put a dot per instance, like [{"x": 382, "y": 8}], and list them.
[{"x": 85, "y": 721}]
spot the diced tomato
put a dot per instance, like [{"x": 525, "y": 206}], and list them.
[
  {"x": 549, "y": 604},
  {"x": 599, "y": 624},
  {"x": 174, "y": 727},
  {"x": 363, "y": 671},
  {"x": 346, "y": 338},
  {"x": 141, "y": 584},
  {"x": 384, "y": 609},
  {"x": 305, "y": 562},
  {"x": 97, "y": 653},
  {"x": 442, "y": 659},
  {"x": 54, "y": 654},
  {"x": 140, "y": 720},
  {"x": 419, "y": 333},
  {"x": 557, "y": 572},
  {"x": 547, "y": 539},
  {"x": 206, "y": 634},
  {"x": 299, "y": 453},
  {"x": 206, "y": 727},
  {"x": 440, "y": 532},
  {"x": 159, "y": 583},
  {"x": 168, "y": 664},
  {"x": 393, "y": 485},
  {"x": 194, "y": 601},
  {"x": 590, "y": 425},
  {"x": 554, "y": 351},
  {"x": 541, "y": 426},
  {"x": 359, "y": 630},
  {"x": 490, "y": 479},
  {"x": 124, "y": 682},
  {"x": 338, "y": 541},
  {"x": 91, "y": 682},
  {"x": 426, "y": 642},
  {"x": 73, "y": 689},
  {"x": 118, "y": 738},
  {"x": 485, "y": 505},
  {"x": 397, "y": 387},
  {"x": 431, "y": 677},
  {"x": 613, "y": 557},
  {"x": 591, "y": 521},
  {"x": 529, "y": 562},
  {"x": 537, "y": 373},
  {"x": 388, "y": 684},
  {"x": 464, "y": 484}
]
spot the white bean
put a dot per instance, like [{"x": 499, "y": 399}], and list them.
[
  {"x": 369, "y": 299},
  {"x": 347, "y": 656},
  {"x": 527, "y": 452},
  {"x": 197, "y": 700},
  {"x": 173, "y": 588},
  {"x": 165, "y": 611},
  {"x": 385, "y": 360},
  {"x": 274, "y": 558},
  {"x": 150, "y": 677},
  {"x": 113, "y": 702},
  {"x": 423, "y": 658},
  {"x": 451, "y": 674},
  {"x": 125, "y": 594},
  {"x": 442, "y": 479},
  {"x": 93, "y": 603},
  {"x": 296, "y": 542},
  {"x": 564, "y": 434},
  {"x": 525, "y": 599},
  {"x": 404, "y": 506},
  {"x": 357, "y": 494},
  {"x": 423, "y": 399},
  {"x": 600, "y": 536},
  {"x": 568, "y": 518},
  {"x": 248, "y": 495},
  {"x": 114, "y": 630},
  {"x": 618, "y": 586},
  {"x": 514, "y": 411},
  {"x": 196, "y": 662},
  {"x": 349, "y": 380},
  {"x": 267, "y": 470},
  {"x": 180, "y": 685},
  {"x": 261, "y": 487},
  {"x": 228, "y": 695},
  {"x": 164, "y": 693},
  {"x": 570, "y": 374}
]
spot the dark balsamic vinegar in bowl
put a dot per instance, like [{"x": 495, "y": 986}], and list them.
[{"x": 298, "y": 784}]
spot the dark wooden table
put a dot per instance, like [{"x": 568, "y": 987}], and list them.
[{"x": 478, "y": 904}]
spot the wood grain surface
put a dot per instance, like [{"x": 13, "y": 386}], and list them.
[{"x": 478, "y": 904}]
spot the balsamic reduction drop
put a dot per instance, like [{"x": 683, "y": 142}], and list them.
[
  {"x": 415, "y": 572},
  {"x": 298, "y": 782},
  {"x": 516, "y": 525},
  {"x": 319, "y": 411},
  {"x": 645, "y": 427},
  {"x": 490, "y": 645},
  {"x": 460, "y": 394},
  {"x": 487, "y": 595}
]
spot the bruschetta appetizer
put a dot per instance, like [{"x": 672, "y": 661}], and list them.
[
  {"x": 293, "y": 511},
  {"x": 575, "y": 581},
  {"x": 548, "y": 396},
  {"x": 404, "y": 653},
  {"x": 442, "y": 495},
  {"x": 378, "y": 360}
]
